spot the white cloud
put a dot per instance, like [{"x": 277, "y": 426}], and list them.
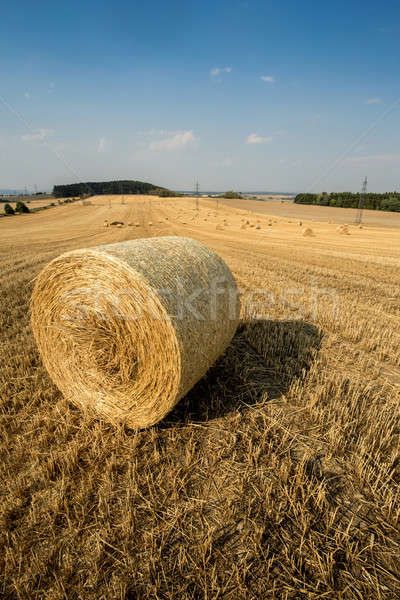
[
  {"x": 374, "y": 158},
  {"x": 373, "y": 101},
  {"x": 160, "y": 132},
  {"x": 101, "y": 145},
  {"x": 27, "y": 95},
  {"x": 268, "y": 78},
  {"x": 38, "y": 136},
  {"x": 179, "y": 140},
  {"x": 254, "y": 138},
  {"x": 218, "y": 70}
]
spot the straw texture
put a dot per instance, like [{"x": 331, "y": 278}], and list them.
[{"x": 128, "y": 328}]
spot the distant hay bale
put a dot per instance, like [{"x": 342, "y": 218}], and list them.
[
  {"x": 119, "y": 335},
  {"x": 130, "y": 224},
  {"x": 307, "y": 232},
  {"x": 251, "y": 224},
  {"x": 137, "y": 224},
  {"x": 150, "y": 223},
  {"x": 105, "y": 224},
  {"x": 119, "y": 225},
  {"x": 258, "y": 227}
]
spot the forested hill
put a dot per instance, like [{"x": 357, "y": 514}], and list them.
[
  {"x": 109, "y": 187},
  {"x": 388, "y": 201}
]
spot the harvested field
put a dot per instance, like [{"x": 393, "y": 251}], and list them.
[
  {"x": 288, "y": 209},
  {"x": 276, "y": 477}
]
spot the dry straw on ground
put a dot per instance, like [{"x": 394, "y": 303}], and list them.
[{"x": 127, "y": 329}]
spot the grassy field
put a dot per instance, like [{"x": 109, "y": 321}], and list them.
[{"x": 277, "y": 477}]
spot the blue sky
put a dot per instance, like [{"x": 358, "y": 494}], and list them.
[{"x": 245, "y": 95}]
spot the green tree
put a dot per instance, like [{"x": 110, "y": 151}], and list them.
[
  {"x": 8, "y": 209},
  {"x": 231, "y": 194},
  {"x": 21, "y": 207}
]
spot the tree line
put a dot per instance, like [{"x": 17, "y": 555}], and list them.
[
  {"x": 389, "y": 201},
  {"x": 109, "y": 187}
]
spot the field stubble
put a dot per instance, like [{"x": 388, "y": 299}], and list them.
[{"x": 277, "y": 476}]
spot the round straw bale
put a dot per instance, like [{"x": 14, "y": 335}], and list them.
[
  {"x": 127, "y": 329},
  {"x": 307, "y": 232},
  {"x": 137, "y": 224}
]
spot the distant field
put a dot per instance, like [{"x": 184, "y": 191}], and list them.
[
  {"x": 34, "y": 202},
  {"x": 287, "y": 208},
  {"x": 277, "y": 477}
]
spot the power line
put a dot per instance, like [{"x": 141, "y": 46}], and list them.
[
  {"x": 197, "y": 188},
  {"x": 361, "y": 202}
]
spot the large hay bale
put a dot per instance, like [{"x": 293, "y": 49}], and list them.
[
  {"x": 307, "y": 232},
  {"x": 127, "y": 329}
]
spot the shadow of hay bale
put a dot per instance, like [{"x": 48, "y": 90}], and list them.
[{"x": 260, "y": 364}]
